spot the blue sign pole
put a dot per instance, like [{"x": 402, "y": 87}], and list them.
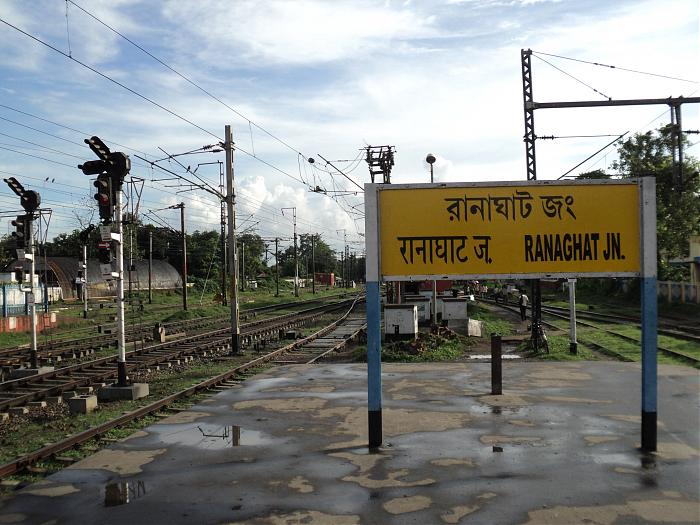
[
  {"x": 649, "y": 312},
  {"x": 374, "y": 335}
]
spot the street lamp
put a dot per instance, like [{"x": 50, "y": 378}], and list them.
[{"x": 430, "y": 159}]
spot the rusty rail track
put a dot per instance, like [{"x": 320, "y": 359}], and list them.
[
  {"x": 53, "y": 449},
  {"x": 56, "y": 351},
  {"x": 19, "y": 392}
]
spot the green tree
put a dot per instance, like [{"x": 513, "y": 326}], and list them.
[
  {"x": 323, "y": 255},
  {"x": 677, "y": 205},
  {"x": 204, "y": 254},
  {"x": 254, "y": 254},
  {"x": 595, "y": 174},
  {"x": 7, "y": 250}
]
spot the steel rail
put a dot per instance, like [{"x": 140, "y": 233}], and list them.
[
  {"x": 98, "y": 370},
  {"x": 28, "y": 459},
  {"x": 694, "y": 361}
]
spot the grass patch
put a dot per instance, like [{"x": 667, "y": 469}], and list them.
[
  {"x": 559, "y": 350},
  {"x": 492, "y": 323},
  {"x": 428, "y": 347}
]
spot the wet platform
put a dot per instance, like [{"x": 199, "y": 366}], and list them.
[{"x": 289, "y": 446}]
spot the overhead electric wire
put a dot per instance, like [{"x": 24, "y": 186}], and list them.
[
  {"x": 107, "y": 77},
  {"x": 41, "y": 146},
  {"x": 81, "y": 145},
  {"x": 616, "y": 67},
  {"x": 37, "y": 157},
  {"x": 190, "y": 81},
  {"x": 84, "y": 133},
  {"x": 572, "y": 76},
  {"x": 171, "y": 112},
  {"x": 591, "y": 156}
]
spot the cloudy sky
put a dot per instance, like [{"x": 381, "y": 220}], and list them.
[{"x": 299, "y": 79}]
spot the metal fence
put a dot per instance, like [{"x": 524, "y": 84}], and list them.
[{"x": 678, "y": 292}]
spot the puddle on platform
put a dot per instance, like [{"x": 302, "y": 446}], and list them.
[
  {"x": 212, "y": 437},
  {"x": 123, "y": 492},
  {"x": 621, "y": 459},
  {"x": 488, "y": 356}
]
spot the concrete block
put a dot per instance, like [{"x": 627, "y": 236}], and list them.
[
  {"x": 68, "y": 394},
  {"x": 400, "y": 321},
  {"x": 120, "y": 393},
  {"x": 82, "y": 404},
  {"x": 18, "y": 411},
  {"x": 454, "y": 308},
  {"x": 36, "y": 404},
  {"x": 26, "y": 372},
  {"x": 4, "y": 416},
  {"x": 475, "y": 328},
  {"x": 55, "y": 400},
  {"x": 84, "y": 390}
]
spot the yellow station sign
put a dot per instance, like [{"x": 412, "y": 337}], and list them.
[{"x": 509, "y": 229}]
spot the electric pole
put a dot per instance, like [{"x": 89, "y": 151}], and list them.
[
  {"x": 296, "y": 256},
  {"x": 313, "y": 263},
  {"x": 84, "y": 268},
  {"x": 224, "y": 300},
  {"x": 244, "y": 282},
  {"x": 183, "y": 235},
  {"x": 150, "y": 266},
  {"x": 232, "y": 262},
  {"x": 277, "y": 267}
]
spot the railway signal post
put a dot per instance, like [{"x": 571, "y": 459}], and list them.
[
  {"x": 24, "y": 235},
  {"x": 112, "y": 168}
]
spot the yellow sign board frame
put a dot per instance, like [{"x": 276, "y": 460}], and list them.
[{"x": 528, "y": 230}]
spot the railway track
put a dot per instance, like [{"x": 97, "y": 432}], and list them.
[
  {"x": 669, "y": 328},
  {"x": 94, "y": 373},
  {"x": 562, "y": 313},
  {"x": 224, "y": 380},
  {"x": 75, "y": 348}
]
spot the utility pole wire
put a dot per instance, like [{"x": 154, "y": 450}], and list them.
[
  {"x": 84, "y": 133},
  {"x": 591, "y": 156},
  {"x": 576, "y": 79},
  {"x": 187, "y": 169},
  {"x": 617, "y": 67},
  {"x": 191, "y": 82},
  {"x": 107, "y": 77},
  {"x": 338, "y": 170}
]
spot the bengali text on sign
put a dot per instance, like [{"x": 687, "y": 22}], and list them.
[{"x": 509, "y": 229}]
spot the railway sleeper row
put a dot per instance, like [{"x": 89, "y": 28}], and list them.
[{"x": 99, "y": 372}]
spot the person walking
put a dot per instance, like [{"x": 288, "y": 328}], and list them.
[{"x": 522, "y": 302}]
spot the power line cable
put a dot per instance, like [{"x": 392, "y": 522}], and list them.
[
  {"x": 107, "y": 77},
  {"x": 616, "y": 67},
  {"x": 191, "y": 82},
  {"x": 37, "y": 157},
  {"x": 84, "y": 133},
  {"x": 572, "y": 76}
]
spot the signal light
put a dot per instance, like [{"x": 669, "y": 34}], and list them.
[
  {"x": 21, "y": 233},
  {"x": 120, "y": 166},
  {"x": 30, "y": 201},
  {"x": 98, "y": 147},
  {"x": 104, "y": 198},
  {"x": 94, "y": 167},
  {"x": 15, "y": 186}
]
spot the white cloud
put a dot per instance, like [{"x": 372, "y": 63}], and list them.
[{"x": 297, "y": 32}]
